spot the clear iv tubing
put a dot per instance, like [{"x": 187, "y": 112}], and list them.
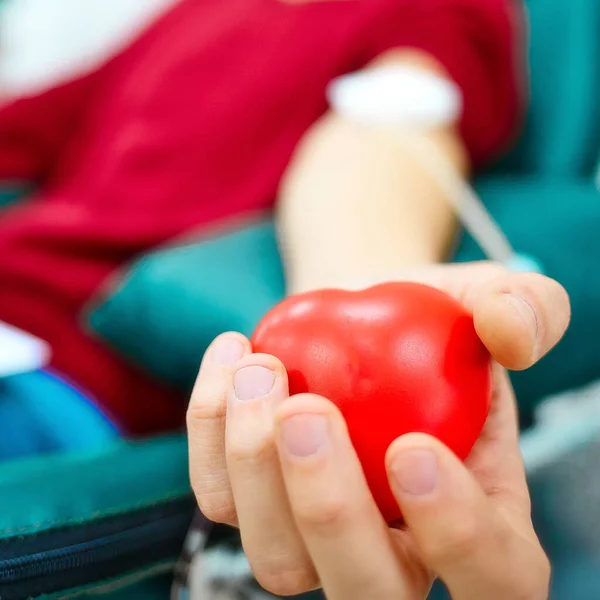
[{"x": 469, "y": 208}]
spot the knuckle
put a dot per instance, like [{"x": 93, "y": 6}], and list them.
[
  {"x": 215, "y": 501},
  {"x": 245, "y": 450},
  {"x": 199, "y": 415},
  {"x": 485, "y": 275},
  {"x": 284, "y": 579},
  {"x": 331, "y": 514},
  {"x": 217, "y": 510},
  {"x": 208, "y": 403}
]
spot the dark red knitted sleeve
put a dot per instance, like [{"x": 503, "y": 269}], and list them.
[{"x": 480, "y": 43}]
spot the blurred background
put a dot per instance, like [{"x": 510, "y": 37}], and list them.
[{"x": 545, "y": 195}]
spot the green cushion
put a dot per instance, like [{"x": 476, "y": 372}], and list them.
[
  {"x": 562, "y": 132},
  {"x": 175, "y": 301}
]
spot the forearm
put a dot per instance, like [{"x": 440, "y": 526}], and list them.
[{"x": 356, "y": 206}]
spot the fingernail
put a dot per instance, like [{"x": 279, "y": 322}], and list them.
[
  {"x": 251, "y": 383},
  {"x": 304, "y": 435},
  {"x": 226, "y": 351},
  {"x": 524, "y": 310},
  {"x": 415, "y": 471}
]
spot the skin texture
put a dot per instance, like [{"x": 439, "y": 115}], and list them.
[{"x": 306, "y": 515}]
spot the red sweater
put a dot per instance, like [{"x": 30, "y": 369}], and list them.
[{"x": 196, "y": 121}]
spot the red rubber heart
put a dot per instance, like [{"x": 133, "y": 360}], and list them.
[{"x": 395, "y": 358}]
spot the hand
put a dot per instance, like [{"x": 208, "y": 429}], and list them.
[{"x": 284, "y": 470}]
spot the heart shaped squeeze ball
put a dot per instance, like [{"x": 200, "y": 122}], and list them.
[{"x": 395, "y": 358}]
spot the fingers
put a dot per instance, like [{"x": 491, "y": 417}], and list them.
[
  {"x": 206, "y": 427},
  {"x": 520, "y": 317},
  {"x": 343, "y": 530},
  {"x": 274, "y": 547},
  {"x": 459, "y": 534},
  {"x": 496, "y": 460}
]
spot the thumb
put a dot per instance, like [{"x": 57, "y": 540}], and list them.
[
  {"x": 520, "y": 317},
  {"x": 459, "y": 533}
]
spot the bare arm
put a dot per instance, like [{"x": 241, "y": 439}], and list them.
[{"x": 355, "y": 205}]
